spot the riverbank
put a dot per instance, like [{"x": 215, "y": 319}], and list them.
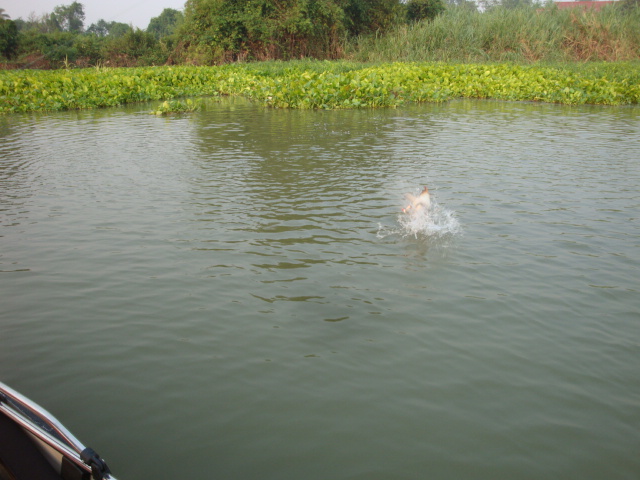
[{"x": 321, "y": 84}]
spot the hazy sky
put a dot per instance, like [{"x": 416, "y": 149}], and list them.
[{"x": 136, "y": 12}]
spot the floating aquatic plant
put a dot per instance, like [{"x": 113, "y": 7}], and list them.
[
  {"x": 320, "y": 85},
  {"x": 169, "y": 107}
]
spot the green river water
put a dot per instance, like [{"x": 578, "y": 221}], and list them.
[{"x": 235, "y": 294}]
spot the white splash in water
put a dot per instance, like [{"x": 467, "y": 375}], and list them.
[{"x": 435, "y": 222}]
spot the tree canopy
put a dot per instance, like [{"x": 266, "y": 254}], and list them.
[
  {"x": 8, "y": 36},
  {"x": 214, "y": 31},
  {"x": 236, "y": 29},
  {"x": 70, "y": 18},
  {"x": 103, "y": 28},
  {"x": 260, "y": 29},
  {"x": 166, "y": 23}
]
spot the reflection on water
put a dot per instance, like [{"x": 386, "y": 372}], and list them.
[{"x": 241, "y": 286}]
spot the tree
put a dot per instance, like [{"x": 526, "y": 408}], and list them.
[
  {"x": 367, "y": 16},
  {"x": 222, "y": 30},
  {"x": 165, "y": 24},
  {"x": 31, "y": 23},
  {"x": 112, "y": 29},
  {"x": 219, "y": 30},
  {"x": 99, "y": 29},
  {"x": 48, "y": 23},
  {"x": 119, "y": 29},
  {"x": 8, "y": 37},
  {"x": 3, "y": 15},
  {"x": 70, "y": 18},
  {"x": 136, "y": 47},
  {"x": 424, "y": 9}
]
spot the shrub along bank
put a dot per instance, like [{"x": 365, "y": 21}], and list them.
[{"x": 321, "y": 85}]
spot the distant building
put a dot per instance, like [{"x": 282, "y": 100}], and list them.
[{"x": 585, "y": 5}]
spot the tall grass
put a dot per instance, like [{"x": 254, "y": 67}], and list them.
[{"x": 522, "y": 35}]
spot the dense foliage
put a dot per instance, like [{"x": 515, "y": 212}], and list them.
[
  {"x": 113, "y": 29},
  {"x": 212, "y": 31},
  {"x": 219, "y": 31},
  {"x": 320, "y": 84},
  {"x": 68, "y": 18},
  {"x": 423, "y": 9},
  {"x": 8, "y": 38},
  {"x": 59, "y": 39},
  {"x": 370, "y": 16},
  {"x": 216, "y": 31},
  {"x": 166, "y": 23}
]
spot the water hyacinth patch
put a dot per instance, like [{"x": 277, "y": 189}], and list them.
[
  {"x": 169, "y": 107},
  {"x": 321, "y": 85}
]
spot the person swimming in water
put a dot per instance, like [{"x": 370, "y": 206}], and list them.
[{"x": 419, "y": 202}]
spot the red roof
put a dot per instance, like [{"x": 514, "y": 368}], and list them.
[{"x": 594, "y": 5}]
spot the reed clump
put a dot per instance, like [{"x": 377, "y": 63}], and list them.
[{"x": 521, "y": 35}]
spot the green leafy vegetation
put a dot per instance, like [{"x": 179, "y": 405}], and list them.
[
  {"x": 216, "y": 31},
  {"x": 320, "y": 85},
  {"x": 166, "y": 23},
  {"x": 59, "y": 39},
  {"x": 211, "y": 32},
  {"x": 8, "y": 37},
  {"x": 169, "y": 107},
  {"x": 423, "y": 9}
]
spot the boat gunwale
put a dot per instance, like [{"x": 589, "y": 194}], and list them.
[{"x": 59, "y": 438}]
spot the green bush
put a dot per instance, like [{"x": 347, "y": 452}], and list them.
[
  {"x": 136, "y": 47},
  {"x": 371, "y": 16},
  {"x": 216, "y": 31},
  {"x": 166, "y": 23},
  {"x": 89, "y": 48},
  {"x": 8, "y": 38},
  {"x": 227, "y": 30},
  {"x": 57, "y": 47},
  {"x": 424, "y": 9}
]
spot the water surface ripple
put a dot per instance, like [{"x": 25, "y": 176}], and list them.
[{"x": 235, "y": 294}]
